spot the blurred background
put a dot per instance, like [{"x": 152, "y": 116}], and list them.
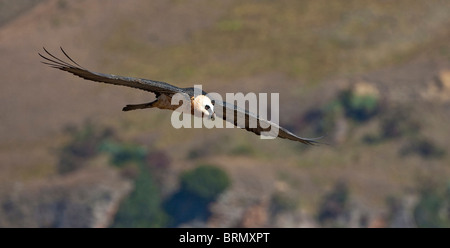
[{"x": 374, "y": 76}]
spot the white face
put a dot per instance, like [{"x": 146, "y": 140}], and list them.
[{"x": 203, "y": 107}]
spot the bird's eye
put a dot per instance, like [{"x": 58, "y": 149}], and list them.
[{"x": 207, "y": 107}]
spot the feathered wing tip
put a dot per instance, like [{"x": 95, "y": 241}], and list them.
[
  {"x": 57, "y": 63},
  {"x": 314, "y": 141},
  {"x": 286, "y": 134}
]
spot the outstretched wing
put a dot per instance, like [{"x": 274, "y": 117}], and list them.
[
  {"x": 138, "y": 83},
  {"x": 253, "y": 123}
]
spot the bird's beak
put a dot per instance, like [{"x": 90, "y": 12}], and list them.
[{"x": 213, "y": 116}]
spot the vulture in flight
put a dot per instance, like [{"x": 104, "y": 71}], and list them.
[{"x": 164, "y": 92}]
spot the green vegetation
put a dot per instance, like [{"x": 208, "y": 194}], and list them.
[
  {"x": 422, "y": 147},
  {"x": 398, "y": 123},
  {"x": 282, "y": 202},
  {"x": 347, "y": 104},
  {"x": 205, "y": 181},
  {"x": 242, "y": 150},
  {"x": 334, "y": 206},
  {"x": 199, "y": 187},
  {"x": 229, "y": 25},
  {"x": 395, "y": 123},
  {"x": 142, "y": 208},
  {"x": 83, "y": 145},
  {"x": 328, "y": 115},
  {"x": 208, "y": 148},
  {"x": 433, "y": 208},
  {"x": 358, "y": 107},
  {"x": 124, "y": 153}
]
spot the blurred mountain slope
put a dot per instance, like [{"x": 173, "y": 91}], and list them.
[{"x": 308, "y": 51}]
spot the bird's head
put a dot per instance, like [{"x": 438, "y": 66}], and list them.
[{"x": 203, "y": 106}]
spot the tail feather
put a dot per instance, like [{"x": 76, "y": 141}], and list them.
[{"x": 138, "y": 106}]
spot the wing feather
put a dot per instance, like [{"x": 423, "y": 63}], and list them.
[
  {"x": 224, "y": 109},
  {"x": 156, "y": 87}
]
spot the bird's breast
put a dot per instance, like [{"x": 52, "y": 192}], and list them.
[{"x": 165, "y": 102}]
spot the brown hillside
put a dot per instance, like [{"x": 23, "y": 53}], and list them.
[{"x": 308, "y": 51}]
